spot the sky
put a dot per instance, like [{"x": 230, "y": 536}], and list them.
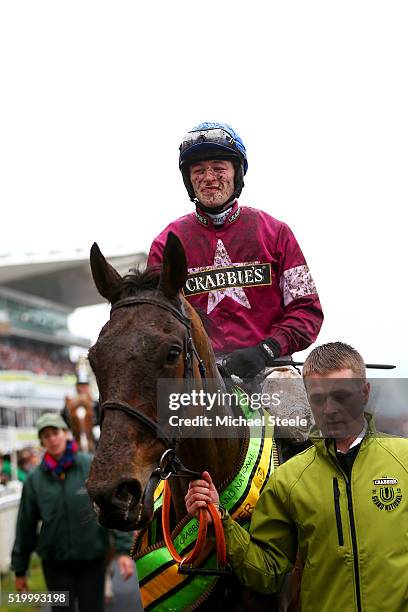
[{"x": 96, "y": 96}]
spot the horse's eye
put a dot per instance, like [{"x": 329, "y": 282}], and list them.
[{"x": 173, "y": 354}]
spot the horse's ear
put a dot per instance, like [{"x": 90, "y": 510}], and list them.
[
  {"x": 174, "y": 269},
  {"x": 105, "y": 276}
]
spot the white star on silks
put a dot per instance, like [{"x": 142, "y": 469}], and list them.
[{"x": 223, "y": 260}]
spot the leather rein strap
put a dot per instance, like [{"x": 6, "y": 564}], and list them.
[{"x": 185, "y": 563}]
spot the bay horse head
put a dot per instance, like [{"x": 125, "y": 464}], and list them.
[{"x": 145, "y": 339}]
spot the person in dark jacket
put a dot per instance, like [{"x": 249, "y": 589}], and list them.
[{"x": 71, "y": 544}]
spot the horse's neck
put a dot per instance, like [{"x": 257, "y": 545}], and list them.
[{"x": 218, "y": 456}]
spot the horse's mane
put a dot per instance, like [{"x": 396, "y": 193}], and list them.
[{"x": 148, "y": 280}]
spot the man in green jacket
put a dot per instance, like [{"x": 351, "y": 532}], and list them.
[
  {"x": 70, "y": 542},
  {"x": 343, "y": 503}
]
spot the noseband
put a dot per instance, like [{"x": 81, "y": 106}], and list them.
[{"x": 189, "y": 351}]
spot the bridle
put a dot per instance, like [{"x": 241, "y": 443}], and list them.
[
  {"x": 169, "y": 464},
  {"x": 189, "y": 351}
]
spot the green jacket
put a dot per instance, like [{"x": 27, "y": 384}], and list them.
[
  {"x": 69, "y": 530},
  {"x": 352, "y": 537}
]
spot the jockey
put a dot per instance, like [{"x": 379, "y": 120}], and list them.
[{"x": 245, "y": 268}]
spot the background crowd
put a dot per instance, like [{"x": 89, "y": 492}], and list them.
[
  {"x": 27, "y": 459},
  {"x": 34, "y": 359}
]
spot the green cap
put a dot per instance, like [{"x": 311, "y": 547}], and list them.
[{"x": 51, "y": 419}]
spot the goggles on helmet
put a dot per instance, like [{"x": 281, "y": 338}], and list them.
[{"x": 213, "y": 136}]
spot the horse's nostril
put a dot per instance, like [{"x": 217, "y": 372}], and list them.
[
  {"x": 128, "y": 489},
  {"x": 99, "y": 501},
  {"x": 121, "y": 500}
]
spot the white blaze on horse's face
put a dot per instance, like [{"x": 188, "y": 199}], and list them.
[{"x": 81, "y": 413}]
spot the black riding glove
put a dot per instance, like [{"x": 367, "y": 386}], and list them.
[{"x": 248, "y": 362}]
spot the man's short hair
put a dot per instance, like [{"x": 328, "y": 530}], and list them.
[{"x": 334, "y": 356}]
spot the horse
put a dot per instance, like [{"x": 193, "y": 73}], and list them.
[
  {"x": 80, "y": 413},
  {"x": 153, "y": 333}
]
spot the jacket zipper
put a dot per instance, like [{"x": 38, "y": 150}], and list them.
[
  {"x": 336, "y": 493},
  {"x": 354, "y": 543},
  {"x": 352, "y": 530},
  {"x": 67, "y": 513}
]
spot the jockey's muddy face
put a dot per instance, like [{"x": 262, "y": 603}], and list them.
[
  {"x": 337, "y": 401},
  {"x": 213, "y": 181}
]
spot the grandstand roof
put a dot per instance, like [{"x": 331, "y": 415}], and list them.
[{"x": 63, "y": 277}]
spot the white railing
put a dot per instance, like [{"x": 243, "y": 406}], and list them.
[{"x": 9, "y": 502}]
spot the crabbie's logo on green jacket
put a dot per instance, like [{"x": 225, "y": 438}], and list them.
[{"x": 387, "y": 495}]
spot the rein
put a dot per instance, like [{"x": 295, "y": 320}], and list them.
[{"x": 169, "y": 464}]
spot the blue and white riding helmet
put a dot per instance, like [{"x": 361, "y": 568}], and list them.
[{"x": 210, "y": 140}]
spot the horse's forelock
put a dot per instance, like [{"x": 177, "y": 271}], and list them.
[{"x": 139, "y": 280}]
